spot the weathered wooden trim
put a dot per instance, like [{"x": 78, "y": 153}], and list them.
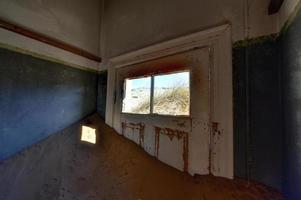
[{"x": 48, "y": 40}]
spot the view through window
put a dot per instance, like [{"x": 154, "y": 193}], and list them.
[
  {"x": 164, "y": 94},
  {"x": 137, "y": 95}
]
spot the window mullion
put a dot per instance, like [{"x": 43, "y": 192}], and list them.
[{"x": 152, "y": 95}]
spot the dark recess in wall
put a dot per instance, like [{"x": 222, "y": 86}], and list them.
[
  {"x": 257, "y": 112},
  {"x": 291, "y": 70},
  {"x": 102, "y": 94},
  {"x": 39, "y": 98},
  {"x": 240, "y": 112}
]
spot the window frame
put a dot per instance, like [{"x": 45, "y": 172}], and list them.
[{"x": 152, "y": 77}]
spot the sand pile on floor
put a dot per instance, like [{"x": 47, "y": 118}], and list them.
[{"x": 62, "y": 167}]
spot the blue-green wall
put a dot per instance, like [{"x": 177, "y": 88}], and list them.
[
  {"x": 291, "y": 71},
  {"x": 258, "y": 138},
  {"x": 267, "y": 107},
  {"x": 102, "y": 94},
  {"x": 39, "y": 98}
]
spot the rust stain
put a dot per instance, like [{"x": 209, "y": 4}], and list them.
[
  {"x": 216, "y": 133},
  {"x": 179, "y": 123},
  {"x": 172, "y": 133},
  {"x": 139, "y": 126}
]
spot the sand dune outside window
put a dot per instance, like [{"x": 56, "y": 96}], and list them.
[
  {"x": 162, "y": 94},
  {"x": 137, "y": 95},
  {"x": 171, "y": 94}
]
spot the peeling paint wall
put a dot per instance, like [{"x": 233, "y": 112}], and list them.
[
  {"x": 157, "y": 21},
  {"x": 181, "y": 142}
]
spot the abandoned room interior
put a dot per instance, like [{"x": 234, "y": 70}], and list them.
[{"x": 150, "y": 100}]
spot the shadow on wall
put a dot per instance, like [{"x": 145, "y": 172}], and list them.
[
  {"x": 102, "y": 94},
  {"x": 257, "y": 107},
  {"x": 291, "y": 53},
  {"x": 39, "y": 98}
]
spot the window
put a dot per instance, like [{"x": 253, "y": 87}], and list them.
[
  {"x": 163, "y": 94},
  {"x": 137, "y": 95}
]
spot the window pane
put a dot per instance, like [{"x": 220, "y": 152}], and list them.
[
  {"x": 171, "y": 94},
  {"x": 137, "y": 96}
]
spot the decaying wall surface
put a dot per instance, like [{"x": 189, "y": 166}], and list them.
[
  {"x": 134, "y": 24},
  {"x": 38, "y": 98},
  {"x": 194, "y": 51},
  {"x": 248, "y": 19},
  {"x": 167, "y": 137}
]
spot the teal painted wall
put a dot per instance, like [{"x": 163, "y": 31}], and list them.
[
  {"x": 102, "y": 94},
  {"x": 258, "y": 139},
  {"x": 291, "y": 71}
]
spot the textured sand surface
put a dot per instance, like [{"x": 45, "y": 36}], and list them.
[{"x": 62, "y": 167}]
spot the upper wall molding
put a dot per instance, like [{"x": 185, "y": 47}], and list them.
[
  {"x": 22, "y": 43},
  {"x": 48, "y": 40}
]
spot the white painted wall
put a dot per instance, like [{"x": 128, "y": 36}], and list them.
[
  {"x": 75, "y": 22},
  {"x": 133, "y": 24}
]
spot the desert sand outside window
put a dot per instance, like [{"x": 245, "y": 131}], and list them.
[{"x": 162, "y": 94}]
